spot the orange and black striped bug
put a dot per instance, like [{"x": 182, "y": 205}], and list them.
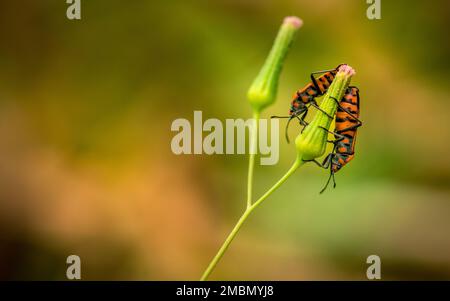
[
  {"x": 345, "y": 131},
  {"x": 305, "y": 97}
]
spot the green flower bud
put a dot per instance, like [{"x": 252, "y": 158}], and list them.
[
  {"x": 313, "y": 141},
  {"x": 263, "y": 90}
]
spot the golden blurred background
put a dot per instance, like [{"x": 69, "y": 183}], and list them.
[{"x": 86, "y": 166}]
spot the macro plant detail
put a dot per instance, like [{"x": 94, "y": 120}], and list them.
[
  {"x": 346, "y": 125},
  {"x": 159, "y": 141},
  {"x": 306, "y": 97},
  {"x": 340, "y": 103}
]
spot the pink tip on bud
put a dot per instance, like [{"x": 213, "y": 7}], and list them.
[
  {"x": 347, "y": 69},
  {"x": 296, "y": 22}
]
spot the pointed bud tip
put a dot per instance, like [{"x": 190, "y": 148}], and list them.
[{"x": 296, "y": 22}]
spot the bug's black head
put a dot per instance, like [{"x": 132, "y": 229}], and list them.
[{"x": 338, "y": 66}]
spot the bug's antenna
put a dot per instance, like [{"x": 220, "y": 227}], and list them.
[
  {"x": 329, "y": 178},
  {"x": 286, "y": 129},
  {"x": 287, "y": 124},
  {"x": 334, "y": 180}
]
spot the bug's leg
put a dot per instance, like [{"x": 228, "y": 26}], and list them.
[
  {"x": 314, "y": 104},
  {"x": 314, "y": 80},
  {"x": 334, "y": 98},
  {"x": 274, "y": 116},
  {"x": 302, "y": 120},
  {"x": 326, "y": 162},
  {"x": 328, "y": 181},
  {"x": 359, "y": 122},
  {"x": 295, "y": 115},
  {"x": 316, "y": 85},
  {"x": 304, "y": 127},
  {"x": 352, "y": 127},
  {"x": 315, "y": 161},
  {"x": 347, "y": 111},
  {"x": 339, "y": 136}
]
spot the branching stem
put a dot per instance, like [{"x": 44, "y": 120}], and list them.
[{"x": 298, "y": 162}]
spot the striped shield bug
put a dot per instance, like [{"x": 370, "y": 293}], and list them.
[
  {"x": 306, "y": 97},
  {"x": 347, "y": 122}
]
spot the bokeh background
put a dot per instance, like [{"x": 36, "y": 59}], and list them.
[{"x": 86, "y": 166}]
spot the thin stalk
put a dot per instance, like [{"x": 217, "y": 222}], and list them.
[
  {"x": 251, "y": 160},
  {"x": 298, "y": 162}
]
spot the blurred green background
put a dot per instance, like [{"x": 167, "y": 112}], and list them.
[{"x": 86, "y": 166}]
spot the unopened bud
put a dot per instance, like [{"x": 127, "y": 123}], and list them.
[{"x": 263, "y": 90}]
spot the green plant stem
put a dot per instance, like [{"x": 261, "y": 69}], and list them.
[
  {"x": 251, "y": 160},
  {"x": 298, "y": 162}
]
